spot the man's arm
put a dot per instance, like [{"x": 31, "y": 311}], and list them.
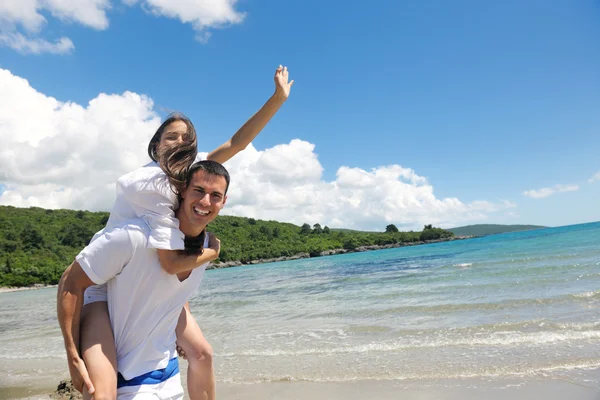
[
  {"x": 257, "y": 122},
  {"x": 69, "y": 302}
]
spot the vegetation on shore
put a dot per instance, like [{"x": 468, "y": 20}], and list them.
[
  {"x": 490, "y": 229},
  {"x": 36, "y": 245}
]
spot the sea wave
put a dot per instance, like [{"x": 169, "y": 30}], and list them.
[
  {"x": 459, "y": 307},
  {"x": 417, "y": 342}
]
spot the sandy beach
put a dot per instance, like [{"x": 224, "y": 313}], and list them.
[
  {"x": 454, "y": 389},
  {"x": 392, "y": 390}
]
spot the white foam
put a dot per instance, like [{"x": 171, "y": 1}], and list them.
[
  {"x": 493, "y": 339},
  {"x": 586, "y": 295},
  {"x": 463, "y": 265}
]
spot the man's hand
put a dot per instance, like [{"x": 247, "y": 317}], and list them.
[
  {"x": 214, "y": 244},
  {"x": 80, "y": 376},
  {"x": 282, "y": 86}
]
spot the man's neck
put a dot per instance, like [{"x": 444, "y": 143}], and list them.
[{"x": 189, "y": 229}]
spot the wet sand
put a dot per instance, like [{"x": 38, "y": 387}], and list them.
[
  {"x": 450, "y": 389},
  {"x": 393, "y": 390}
]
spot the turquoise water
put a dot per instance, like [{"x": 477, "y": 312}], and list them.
[{"x": 524, "y": 304}]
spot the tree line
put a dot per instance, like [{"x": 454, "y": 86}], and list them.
[{"x": 36, "y": 245}]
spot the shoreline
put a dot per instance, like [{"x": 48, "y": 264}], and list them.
[
  {"x": 10, "y": 289},
  {"x": 230, "y": 264},
  {"x": 333, "y": 252}
]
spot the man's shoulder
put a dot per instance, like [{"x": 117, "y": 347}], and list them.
[{"x": 136, "y": 229}]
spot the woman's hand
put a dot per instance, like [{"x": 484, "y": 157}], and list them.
[
  {"x": 282, "y": 86},
  {"x": 214, "y": 244},
  {"x": 181, "y": 353}
]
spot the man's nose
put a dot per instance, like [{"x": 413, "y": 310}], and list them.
[{"x": 205, "y": 200}]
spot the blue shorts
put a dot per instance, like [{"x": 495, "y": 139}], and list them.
[{"x": 161, "y": 384}]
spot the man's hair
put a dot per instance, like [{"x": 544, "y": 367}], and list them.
[{"x": 210, "y": 167}]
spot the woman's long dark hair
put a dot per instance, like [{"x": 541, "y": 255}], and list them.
[{"x": 176, "y": 160}]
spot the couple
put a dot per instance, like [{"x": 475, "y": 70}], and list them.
[{"x": 122, "y": 304}]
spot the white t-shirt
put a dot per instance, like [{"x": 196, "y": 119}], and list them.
[
  {"x": 146, "y": 193},
  {"x": 144, "y": 302}
]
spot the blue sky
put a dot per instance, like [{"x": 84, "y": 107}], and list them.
[{"x": 486, "y": 100}]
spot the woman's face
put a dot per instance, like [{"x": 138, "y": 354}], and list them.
[{"x": 174, "y": 135}]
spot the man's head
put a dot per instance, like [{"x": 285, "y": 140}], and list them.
[{"x": 203, "y": 197}]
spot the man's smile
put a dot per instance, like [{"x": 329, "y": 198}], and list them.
[{"x": 201, "y": 212}]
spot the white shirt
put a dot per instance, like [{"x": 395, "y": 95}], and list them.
[
  {"x": 144, "y": 302},
  {"x": 146, "y": 193}
]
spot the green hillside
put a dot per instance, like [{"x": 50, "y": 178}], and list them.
[
  {"x": 490, "y": 229},
  {"x": 36, "y": 245}
]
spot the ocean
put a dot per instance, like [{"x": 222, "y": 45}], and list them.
[{"x": 521, "y": 306}]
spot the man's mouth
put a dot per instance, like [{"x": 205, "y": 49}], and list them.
[{"x": 201, "y": 212}]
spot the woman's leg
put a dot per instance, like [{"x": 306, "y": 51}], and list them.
[
  {"x": 97, "y": 348},
  {"x": 199, "y": 354}
]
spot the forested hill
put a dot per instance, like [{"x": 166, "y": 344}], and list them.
[
  {"x": 490, "y": 229},
  {"x": 36, "y": 245}
]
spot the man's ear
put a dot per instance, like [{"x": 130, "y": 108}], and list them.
[{"x": 224, "y": 200}]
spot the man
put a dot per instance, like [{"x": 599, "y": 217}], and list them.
[{"x": 144, "y": 301}]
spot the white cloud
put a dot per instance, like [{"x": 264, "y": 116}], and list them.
[
  {"x": 357, "y": 198},
  {"x": 90, "y": 13},
  {"x": 23, "y": 12},
  {"x": 59, "y": 154},
  {"x": 202, "y": 15},
  {"x": 65, "y": 155},
  {"x": 24, "y": 45},
  {"x": 28, "y": 13},
  {"x": 25, "y": 16},
  {"x": 545, "y": 192},
  {"x": 22, "y": 21},
  {"x": 595, "y": 178}
]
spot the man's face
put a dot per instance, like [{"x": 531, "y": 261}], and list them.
[{"x": 203, "y": 199}]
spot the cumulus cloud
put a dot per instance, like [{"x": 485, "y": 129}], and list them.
[
  {"x": 595, "y": 178},
  {"x": 202, "y": 15},
  {"x": 548, "y": 191},
  {"x": 24, "y": 45},
  {"x": 356, "y": 199},
  {"x": 58, "y": 154},
  {"x": 64, "y": 155},
  {"x": 22, "y": 21},
  {"x": 28, "y": 13}
]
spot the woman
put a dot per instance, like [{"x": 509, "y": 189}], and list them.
[{"x": 150, "y": 193}]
